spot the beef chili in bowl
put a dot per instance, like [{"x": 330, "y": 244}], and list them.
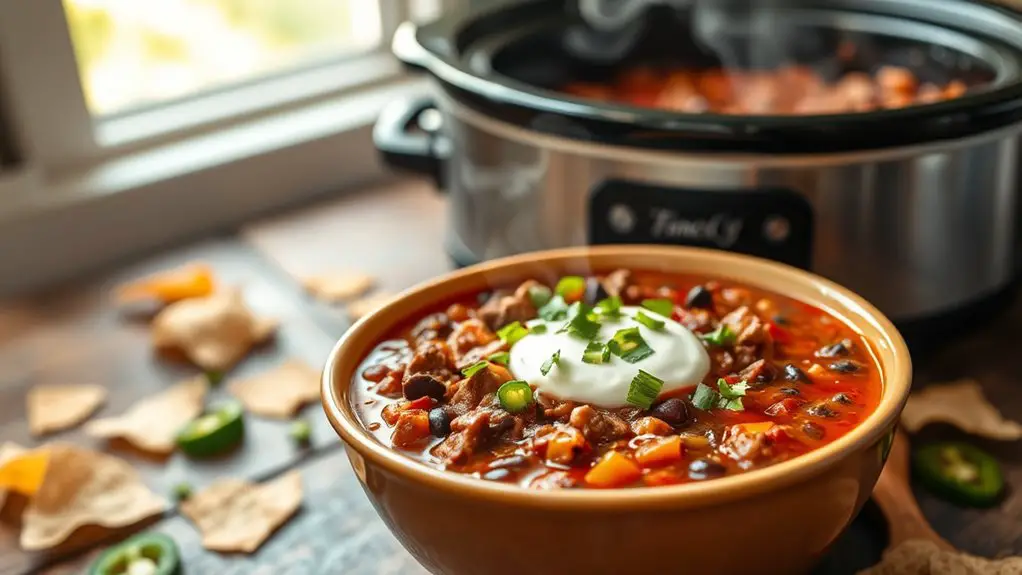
[{"x": 638, "y": 401}]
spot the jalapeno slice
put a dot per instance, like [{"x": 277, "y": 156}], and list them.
[
  {"x": 514, "y": 396},
  {"x": 214, "y": 432},
  {"x": 145, "y": 554},
  {"x": 962, "y": 473}
]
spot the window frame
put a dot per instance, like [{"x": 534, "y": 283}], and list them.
[{"x": 174, "y": 171}]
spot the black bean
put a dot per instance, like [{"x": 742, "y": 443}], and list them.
[
  {"x": 510, "y": 461},
  {"x": 841, "y": 398},
  {"x": 439, "y": 422},
  {"x": 845, "y": 366},
  {"x": 820, "y": 410},
  {"x": 793, "y": 373},
  {"x": 672, "y": 411},
  {"x": 699, "y": 297},
  {"x": 813, "y": 430},
  {"x": 497, "y": 474},
  {"x": 705, "y": 469},
  {"x": 790, "y": 391},
  {"x": 594, "y": 291},
  {"x": 423, "y": 385},
  {"x": 839, "y": 349},
  {"x": 780, "y": 320}
]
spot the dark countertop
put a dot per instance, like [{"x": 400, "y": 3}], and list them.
[{"x": 74, "y": 335}]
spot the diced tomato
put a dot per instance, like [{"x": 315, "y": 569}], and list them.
[
  {"x": 424, "y": 402},
  {"x": 777, "y": 434},
  {"x": 778, "y": 333},
  {"x": 783, "y": 408},
  {"x": 662, "y": 477}
]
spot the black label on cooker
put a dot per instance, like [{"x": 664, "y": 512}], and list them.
[{"x": 769, "y": 223}]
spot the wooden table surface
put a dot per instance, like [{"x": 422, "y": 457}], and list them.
[{"x": 393, "y": 232}]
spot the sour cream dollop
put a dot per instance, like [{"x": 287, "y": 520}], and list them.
[{"x": 679, "y": 359}]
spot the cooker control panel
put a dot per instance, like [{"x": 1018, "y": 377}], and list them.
[{"x": 771, "y": 223}]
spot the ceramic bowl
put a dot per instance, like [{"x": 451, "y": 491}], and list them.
[{"x": 780, "y": 519}]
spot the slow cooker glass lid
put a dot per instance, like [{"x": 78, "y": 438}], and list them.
[{"x": 772, "y": 50}]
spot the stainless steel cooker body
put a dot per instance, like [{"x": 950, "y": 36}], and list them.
[{"x": 919, "y": 230}]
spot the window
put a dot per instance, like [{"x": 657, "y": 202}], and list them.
[{"x": 181, "y": 116}]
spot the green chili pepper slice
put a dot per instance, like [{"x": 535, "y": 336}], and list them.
[
  {"x": 514, "y": 396},
  {"x": 214, "y": 432},
  {"x": 148, "y": 554},
  {"x": 962, "y": 473}
]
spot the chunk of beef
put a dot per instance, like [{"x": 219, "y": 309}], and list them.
[
  {"x": 510, "y": 425},
  {"x": 651, "y": 426},
  {"x": 477, "y": 354},
  {"x": 758, "y": 372},
  {"x": 391, "y": 385},
  {"x": 744, "y": 447},
  {"x": 471, "y": 392},
  {"x": 433, "y": 326},
  {"x": 616, "y": 282},
  {"x": 554, "y": 408},
  {"x": 467, "y": 336},
  {"x": 412, "y": 426},
  {"x": 746, "y": 326},
  {"x": 434, "y": 358},
  {"x": 560, "y": 443},
  {"x": 697, "y": 320},
  {"x": 469, "y": 433},
  {"x": 501, "y": 309},
  {"x": 596, "y": 425}
]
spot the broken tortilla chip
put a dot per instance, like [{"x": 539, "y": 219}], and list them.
[
  {"x": 367, "y": 305},
  {"x": 960, "y": 403},
  {"x": 213, "y": 332},
  {"x": 84, "y": 487},
  {"x": 152, "y": 424},
  {"x": 57, "y": 407},
  {"x": 337, "y": 287},
  {"x": 920, "y": 557},
  {"x": 279, "y": 392},
  {"x": 188, "y": 281},
  {"x": 234, "y": 515}
]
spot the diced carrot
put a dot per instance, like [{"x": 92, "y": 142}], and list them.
[
  {"x": 565, "y": 446},
  {"x": 760, "y": 427},
  {"x": 190, "y": 281},
  {"x": 659, "y": 451},
  {"x": 392, "y": 411},
  {"x": 412, "y": 425},
  {"x": 816, "y": 370},
  {"x": 613, "y": 470}
]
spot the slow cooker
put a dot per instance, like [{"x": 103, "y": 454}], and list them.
[{"x": 913, "y": 206}]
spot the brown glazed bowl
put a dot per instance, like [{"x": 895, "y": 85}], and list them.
[{"x": 780, "y": 519}]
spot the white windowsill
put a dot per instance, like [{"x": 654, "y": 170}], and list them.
[{"x": 53, "y": 227}]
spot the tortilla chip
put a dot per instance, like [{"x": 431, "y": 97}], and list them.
[
  {"x": 58, "y": 407},
  {"x": 188, "y": 281},
  {"x": 367, "y": 305},
  {"x": 960, "y": 403},
  {"x": 279, "y": 392},
  {"x": 213, "y": 332},
  {"x": 84, "y": 487},
  {"x": 338, "y": 286},
  {"x": 920, "y": 557},
  {"x": 234, "y": 515},
  {"x": 152, "y": 424}
]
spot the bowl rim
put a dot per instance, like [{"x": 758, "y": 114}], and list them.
[{"x": 896, "y": 377}]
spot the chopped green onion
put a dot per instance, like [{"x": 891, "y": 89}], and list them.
[
  {"x": 550, "y": 362},
  {"x": 182, "y": 491},
  {"x": 538, "y": 328},
  {"x": 644, "y": 390},
  {"x": 580, "y": 324},
  {"x": 664, "y": 307},
  {"x": 512, "y": 332},
  {"x": 629, "y": 345},
  {"x": 474, "y": 368},
  {"x": 571, "y": 287},
  {"x": 514, "y": 396},
  {"x": 596, "y": 352},
  {"x": 301, "y": 432},
  {"x": 704, "y": 397},
  {"x": 555, "y": 309},
  {"x": 501, "y": 357},
  {"x": 651, "y": 323},
  {"x": 610, "y": 307},
  {"x": 214, "y": 378},
  {"x": 728, "y": 397},
  {"x": 539, "y": 295},
  {"x": 722, "y": 336}
]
